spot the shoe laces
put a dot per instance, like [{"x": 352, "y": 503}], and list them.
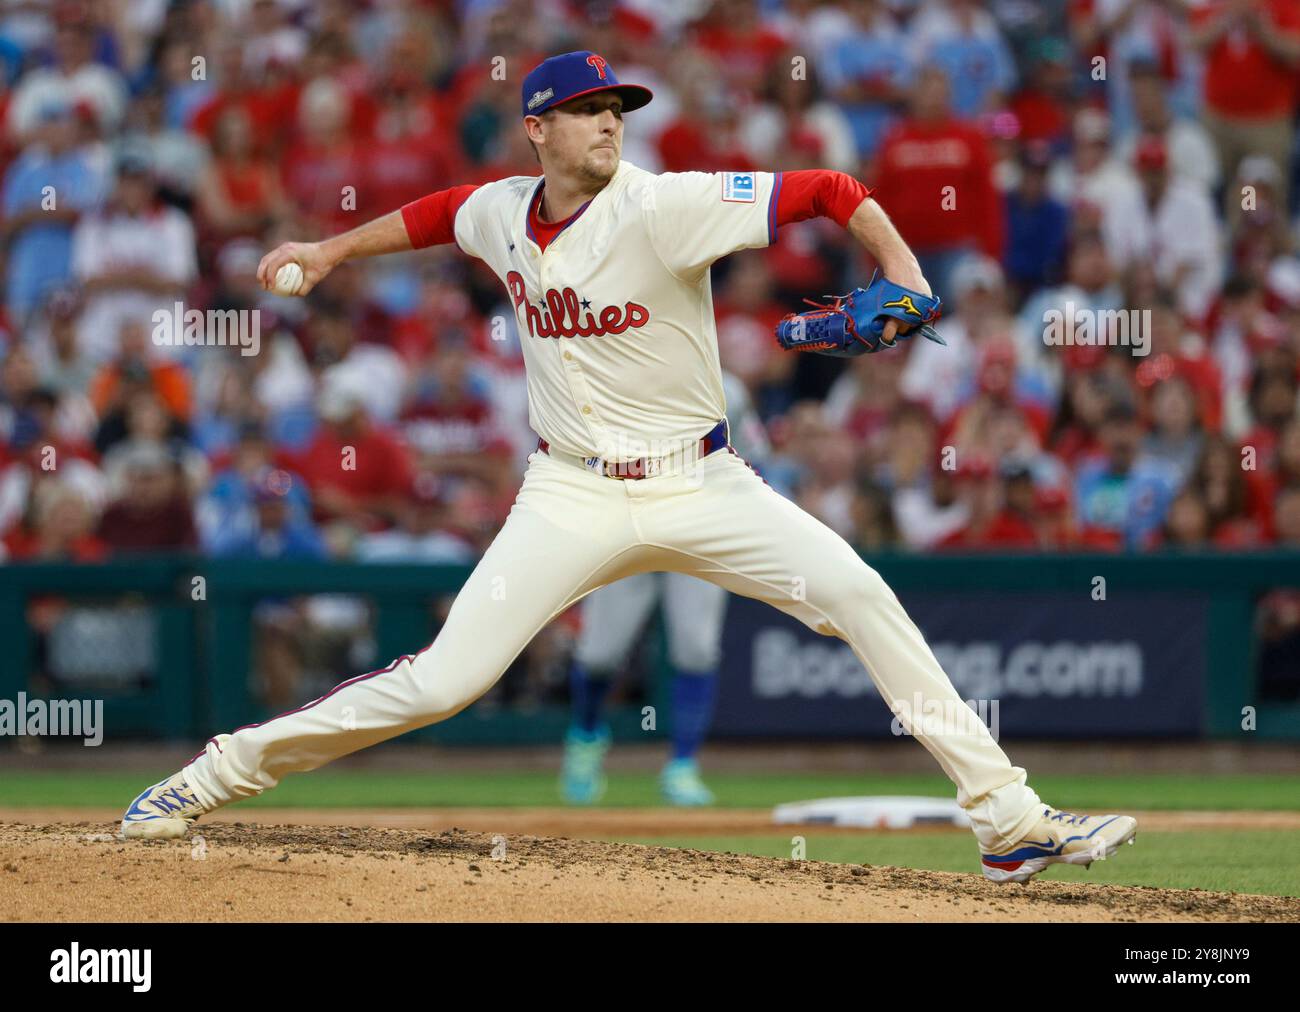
[
  {"x": 172, "y": 798},
  {"x": 1067, "y": 818}
]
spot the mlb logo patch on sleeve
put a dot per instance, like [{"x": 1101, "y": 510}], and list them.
[{"x": 738, "y": 187}]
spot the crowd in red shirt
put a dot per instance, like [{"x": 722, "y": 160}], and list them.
[{"x": 305, "y": 123}]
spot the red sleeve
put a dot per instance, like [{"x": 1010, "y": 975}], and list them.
[
  {"x": 432, "y": 219},
  {"x": 818, "y": 193}
]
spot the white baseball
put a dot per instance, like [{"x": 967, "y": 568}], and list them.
[{"x": 288, "y": 279}]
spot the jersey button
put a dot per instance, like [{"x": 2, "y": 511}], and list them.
[
  {"x": 568, "y": 356},
  {"x": 586, "y": 409}
]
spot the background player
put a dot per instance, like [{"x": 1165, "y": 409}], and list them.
[{"x": 613, "y": 619}]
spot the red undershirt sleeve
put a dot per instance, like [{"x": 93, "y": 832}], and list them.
[
  {"x": 819, "y": 193},
  {"x": 431, "y": 220}
]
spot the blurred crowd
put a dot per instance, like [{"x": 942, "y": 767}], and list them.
[{"x": 1060, "y": 155}]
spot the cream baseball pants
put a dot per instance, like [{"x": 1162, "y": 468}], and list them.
[{"x": 571, "y": 531}]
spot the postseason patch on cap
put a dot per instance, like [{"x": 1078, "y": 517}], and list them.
[
  {"x": 738, "y": 187},
  {"x": 539, "y": 97}
]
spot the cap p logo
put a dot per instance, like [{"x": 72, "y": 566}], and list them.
[{"x": 558, "y": 79}]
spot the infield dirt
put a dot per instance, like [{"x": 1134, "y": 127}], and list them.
[{"x": 241, "y": 871}]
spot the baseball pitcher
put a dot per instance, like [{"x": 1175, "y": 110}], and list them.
[{"x": 607, "y": 268}]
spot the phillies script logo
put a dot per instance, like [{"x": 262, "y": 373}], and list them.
[
  {"x": 564, "y": 315},
  {"x": 599, "y": 63}
]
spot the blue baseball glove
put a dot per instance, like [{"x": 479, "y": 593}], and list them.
[{"x": 854, "y": 324}]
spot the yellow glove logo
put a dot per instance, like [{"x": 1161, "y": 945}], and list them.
[{"x": 905, "y": 302}]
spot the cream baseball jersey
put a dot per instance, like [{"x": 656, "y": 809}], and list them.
[{"x": 616, "y": 314}]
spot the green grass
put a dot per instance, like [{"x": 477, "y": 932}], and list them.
[
  {"x": 1246, "y": 861},
  {"x": 355, "y": 789}
]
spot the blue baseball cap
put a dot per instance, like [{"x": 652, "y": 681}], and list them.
[{"x": 561, "y": 78}]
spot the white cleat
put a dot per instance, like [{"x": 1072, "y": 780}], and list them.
[
  {"x": 1060, "y": 838},
  {"x": 164, "y": 811}
]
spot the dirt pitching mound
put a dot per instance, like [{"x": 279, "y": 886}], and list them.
[{"x": 241, "y": 872}]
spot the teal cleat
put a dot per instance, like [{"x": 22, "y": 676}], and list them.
[
  {"x": 582, "y": 780},
  {"x": 681, "y": 784}
]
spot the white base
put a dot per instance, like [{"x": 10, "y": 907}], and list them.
[{"x": 880, "y": 812}]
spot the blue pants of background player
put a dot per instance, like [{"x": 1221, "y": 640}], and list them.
[{"x": 614, "y": 618}]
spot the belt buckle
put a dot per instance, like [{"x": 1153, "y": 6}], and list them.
[{"x": 633, "y": 469}]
